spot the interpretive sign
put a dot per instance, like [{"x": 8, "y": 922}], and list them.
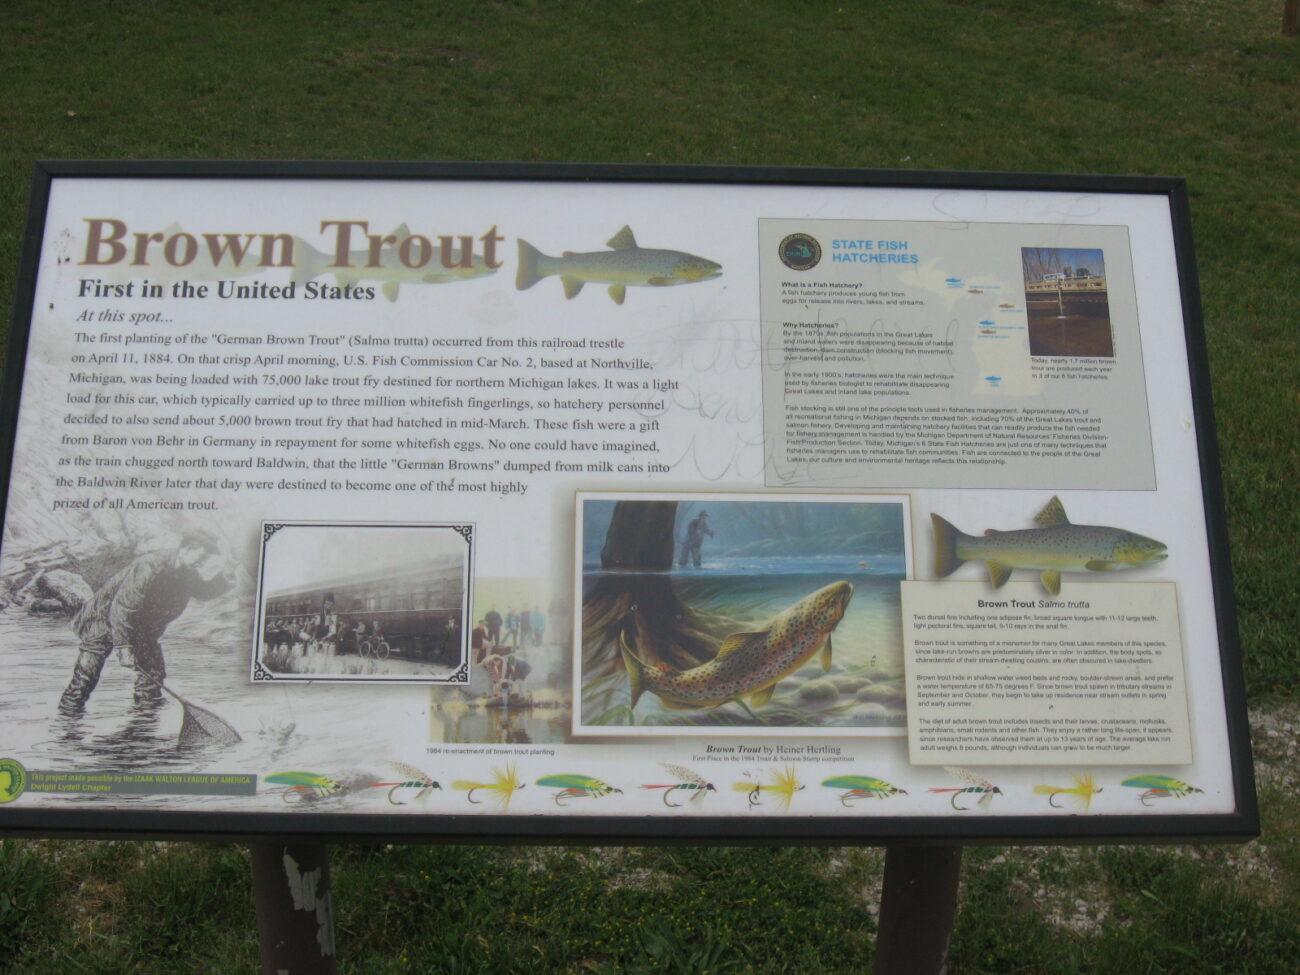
[{"x": 503, "y": 501}]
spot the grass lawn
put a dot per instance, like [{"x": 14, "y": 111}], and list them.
[{"x": 1196, "y": 88}]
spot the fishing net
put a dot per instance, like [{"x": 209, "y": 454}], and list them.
[{"x": 199, "y": 726}]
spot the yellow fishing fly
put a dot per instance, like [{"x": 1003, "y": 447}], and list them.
[
  {"x": 505, "y": 783},
  {"x": 1081, "y": 792},
  {"x": 784, "y": 785}
]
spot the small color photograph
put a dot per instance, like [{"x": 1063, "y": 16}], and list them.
[
  {"x": 1067, "y": 302},
  {"x": 520, "y": 688},
  {"x": 738, "y": 614}
]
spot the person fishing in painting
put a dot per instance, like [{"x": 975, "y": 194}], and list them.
[
  {"x": 696, "y": 531},
  {"x": 132, "y": 610}
]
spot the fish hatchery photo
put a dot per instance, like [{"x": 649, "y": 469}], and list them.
[
  {"x": 1067, "y": 302},
  {"x": 363, "y": 602},
  {"x": 732, "y": 612}
]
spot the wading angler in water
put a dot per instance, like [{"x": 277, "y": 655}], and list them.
[{"x": 132, "y": 610}]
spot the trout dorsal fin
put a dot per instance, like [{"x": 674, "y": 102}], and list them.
[
  {"x": 1053, "y": 513},
  {"x": 402, "y": 232},
  {"x": 739, "y": 641},
  {"x": 622, "y": 241}
]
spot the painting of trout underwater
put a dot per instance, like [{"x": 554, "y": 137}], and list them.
[{"x": 740, "y": 614}]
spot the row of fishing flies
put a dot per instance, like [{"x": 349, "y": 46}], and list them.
[{"x": 688, "y": 787}]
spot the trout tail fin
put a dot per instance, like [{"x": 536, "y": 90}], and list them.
[
  {"x": 946, "y": 534},
  {"x": 528, "y": 273},
  {"x": 635, "y": 667}
]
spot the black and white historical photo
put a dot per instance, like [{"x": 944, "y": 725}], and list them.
[{"x": 363, "y": 602}]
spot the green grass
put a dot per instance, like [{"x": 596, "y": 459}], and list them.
[
  {"x": 1201, "y": 89},
  {"x": 143, "y": 907}
]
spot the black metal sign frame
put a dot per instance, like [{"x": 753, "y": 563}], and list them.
[{"x": 86, "y": 821}]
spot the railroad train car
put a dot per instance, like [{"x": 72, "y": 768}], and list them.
[{"x": 418, "y": 609}]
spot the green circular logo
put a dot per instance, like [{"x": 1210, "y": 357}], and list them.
[
  {"x": 799, "y": 252},
  {"x": 13, "y": 780}
]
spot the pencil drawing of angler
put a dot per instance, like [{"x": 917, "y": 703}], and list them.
[{"x": 131, "y": 612}]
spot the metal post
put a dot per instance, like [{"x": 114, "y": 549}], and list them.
[
  {"x": 295, "y": 916},
  {"x": 918, "y": 904}
]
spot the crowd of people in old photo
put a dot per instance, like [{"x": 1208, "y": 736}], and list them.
[{"x": 329, "y": 633}]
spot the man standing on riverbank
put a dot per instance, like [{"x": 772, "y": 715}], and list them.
[{"x": 132, "y": 610}]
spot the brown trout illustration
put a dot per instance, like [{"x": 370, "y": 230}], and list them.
[
  {"x": 750, "y": 663},
  {"x": 1054, "y": 547},
  {"x": 625, "y": 263}
]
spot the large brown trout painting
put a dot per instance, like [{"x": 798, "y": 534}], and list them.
[{"x": 740, "y": 612}]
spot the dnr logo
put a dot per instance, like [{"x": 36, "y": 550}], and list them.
[
  {"x": 13, "y": 780},
  {"x": 800, "y": 252}
]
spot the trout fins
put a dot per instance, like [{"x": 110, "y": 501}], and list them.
[
  {"x": 634, "y": 665},
  {"x": 624, "y": 240},
  {"x": 527, "y": 274},
  {"x": 946, "y": 535},
  {"x": 947, "y": 561},
  {"x": 738, "y": 641},
  {"x": 998, "y": 573},
  {"x": 1053, "y": 513}
]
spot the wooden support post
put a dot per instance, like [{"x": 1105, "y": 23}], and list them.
[
  {"x": 1289, "y": 18},
  {"x": 918, "y": 904},
  {"x": 295, "y": 916}
]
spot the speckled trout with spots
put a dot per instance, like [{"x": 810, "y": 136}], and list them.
[
  {"x": 625, "y": 263},
  {"x": 1054, "y": 547},
  {"x": 750, "y": 663}
]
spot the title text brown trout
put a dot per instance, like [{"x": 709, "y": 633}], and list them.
[
  {"x": 750, "y": 663},
  {"x": 1054, "y": 547}
]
